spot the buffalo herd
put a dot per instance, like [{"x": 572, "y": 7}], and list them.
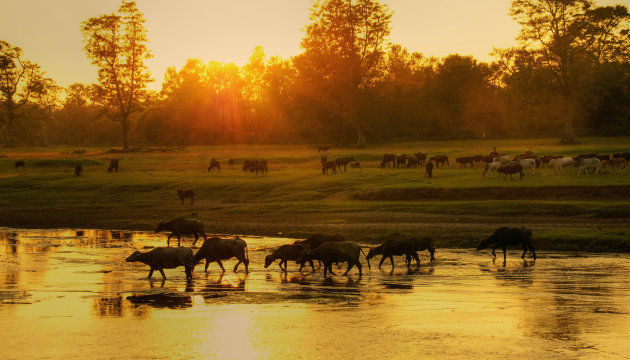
[{"x": 326, "y": 249}]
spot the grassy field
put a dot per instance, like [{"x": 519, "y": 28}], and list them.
[{"x": 458, "y": 206}]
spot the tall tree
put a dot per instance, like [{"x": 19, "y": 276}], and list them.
[
  {"x": 567, "y": 37},
  {"x": 117, "y": 45},
  {"x": 49, "y": 100},
  {"x": 19, "y": 80},
  {"x": 344, "y": 51}
]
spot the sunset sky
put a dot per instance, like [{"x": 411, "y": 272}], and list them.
[{"x": 227, "y": 31}]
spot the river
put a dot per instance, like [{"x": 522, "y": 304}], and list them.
[{"x": 70, "y": 294}]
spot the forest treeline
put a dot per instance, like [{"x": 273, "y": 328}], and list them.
[{"x": 569, "y": 76}]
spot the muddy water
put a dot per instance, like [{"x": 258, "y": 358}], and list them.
[{"x": 70, "y": 294}]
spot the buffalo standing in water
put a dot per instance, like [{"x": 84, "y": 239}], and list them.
[
  {"x": 333, "y": 252},
  {"x": 182, "y": 226},
  {"x": 506, "y": 236},
  {"x": 293, "y": 252},
  {"x": 216, "y": 249},
  {"x": 165, "y": 258}
]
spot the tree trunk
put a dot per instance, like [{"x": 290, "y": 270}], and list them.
[
  {"x": 568, "y": 137},
  {"x": 360, "y": 138},
  {"x": 124, "y": 122}
]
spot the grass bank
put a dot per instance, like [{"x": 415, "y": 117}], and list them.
[{"x": 457, "y": 207}]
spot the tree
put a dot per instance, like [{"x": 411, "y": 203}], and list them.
[
  {"x": 19, "y": 80},
  {"x": 344, "y": 51},
  {"x": 567, "y": 37},
  {"x": 49, "y": 100},
  {"x": 116, "y": 44}
]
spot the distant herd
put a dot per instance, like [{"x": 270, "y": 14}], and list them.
[{"x": 327, "y": 249}]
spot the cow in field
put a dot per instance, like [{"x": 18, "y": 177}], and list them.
[
  {"x": 559, "y": 163},
  {"x": 440, "y": 160},
  {"x": 182, "y": 226},
  {"x": 388, "y": 159},
  {"x": 20, "y": 164},
  {"x": 214, "y": 164},
  {"x": 428, "y": 173},
  {"x": 493, "y": 166},
  {"x": 78, "y": 170},
  {"x": 506, "y": 236},
  {"x": 510, "y": 169},
  {"x": 343, "y": 161},
  {"x": 183, "y": 194},
  {"x": 421, "y": 157},
  {"x": 113, "y": 165},
  {"x": 589, "y": 163},
  {"x": 527, "y": 164}
]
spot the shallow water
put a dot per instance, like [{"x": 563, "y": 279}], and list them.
[{"x": 70, "y": 294}]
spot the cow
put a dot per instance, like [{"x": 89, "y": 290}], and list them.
[
  {"x": 503, "y": 159},
  {"x": 506, "y": 236},
  {"x": 329, "y": 165},
  {"x": 529, "y": 163},
  {"x": 78, "y": 170},
  {"x": 217, "y": 249},
  {"x": 165, "y": 258},
  {"x": 387, "y": 159},
  {"x": 510, "y": 169},
  {"x": 545, "y": 160},
  {"x": 262, "y": 167},
  {"x": 392, "y": 247},
  {"x": 401, "y": 160},
  {"x": 428, "y": 172},
  {"x": 493, "y": 166},
  {"x": 182, "y": 226},
  {"x": 440, "y": 159},
  {"x": 332, "y": 252},
  {"x": 230, "y": 162},
  {"x": 343, "y": 161},
  {"x": 355, "y": 165},
  {"x": 113, "y": 165},
  {"x": 183, "y": 194},
  {"x": 589, "y": 163},
  {"x": 423, "y": 243},
  {"x": 421, "y": 157},
  {"x": 293, "y": 252},
  {"x": 462, "y": 161},
  {"x": 214, "y": 164},
  {"x": 20, "y": 164},
  {"x": 559, "y": 163}
]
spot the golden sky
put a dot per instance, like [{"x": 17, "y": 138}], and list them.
[{"x": 227, "y": 31}]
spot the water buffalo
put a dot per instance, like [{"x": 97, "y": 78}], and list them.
[
  {"x": 165, "y": 258},
  {"x": 387, "y": 159},
  {"x": 216, "y": 249},
  {"x": 293, "y": 252},
  {"x": 316, "y": 240},
  {"x": 506, "y": 236},
  {"x": 214, "y": 164},
  {"x": 182, "y": 226},
  {"x": 333, "y": 252},
  {"x": 440, "y": 159},
  {"x": 183, "y": 194},
  {"x": 20, "y": 164},
  {"x": 343, "y": 161},
  {"x": 78, "y": 170},
  {"x": 328, "y": 165},
  {"x": 428, "y": 173},
  {"x": 113, "y": 165},
  {"x": 392, "y": 247},
  {"x": 421, "y": 157},
  {"x": 423, "y": 243}
]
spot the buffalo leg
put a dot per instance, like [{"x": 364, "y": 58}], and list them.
[
  {"x": 162, "y": 272},
  {"x": 207, "y": 263},
  {"x": 417, "y": 258},
  {"x": 179, "y": 239},
  {"x": 504, "y": 254},
  {"x": 168, "y": 240},
  {"x": 221, "y": 265},
  {"x": 196, "y": 238},
  {"x": 350, "y": 265},
  {"x": 280, "y": 264},
  {"x": 150, "y": 273},
  {"x": 312, "y": 265},
  {"x": 533, "y": 251},
  {"x": 524, "y": 251},
  {"x": 381, "y": 263},
  {"x": 493, "y": 253},
  {"x": 391, "y": 259},
  {"x": 360, "y": 267}
]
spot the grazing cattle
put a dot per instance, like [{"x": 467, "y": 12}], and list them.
[
  {"x": 78, "y": 170},
  {"x": 248, "y": 164},
  {"x": 387, "y": 159},
  {"x": 510, "y": 169},
  {"x": 412, "y": 162},
  {"x": 214, "y": 164},
  {"x": 589, "y": 163},
  {"x": 165, "y": 258},
  {"x": 624, "y": 155},
  {"x": 323, "y": 148},
  {"x": 355, "y": 165},
  {"x": 183, "y": 194},
  {"x": 392, "y": 247},
  {"x": 316, "y": 240},
  {"x": 329, "y": 165},
  {"x": 293, "y": 252},
  {"x": 334, "y": 252},
  {"x": 182, "y": 226},
  {"x": 545, "y": 160},
  {"x": 113, "y": 165},
  {"x": 421, "y": 157},
  {"x": 20, "y": 164},
  {"x": 493, "y": 166},
  {"x": 230, "y": 163},
  {"x": 615, "y": 163},
  {"x": 440, "y": 159},
  {"x": 462, "y": 161},
  {"x": 262, "y": 167},
  {"x": 559, "y": 163},
  {"x": 343, "y": 161},
  {"x": 527, "y": 164},
  {"x": 401, "y": 160},
  {"x": 506, "y": 236},
  {"x": 216, "y": 249},
  {"x": 428, "y": 172}
]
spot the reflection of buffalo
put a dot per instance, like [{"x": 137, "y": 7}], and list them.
[
  {"x": 293, "y": 252},
  {"x": 333, "y": 252},
  {"x": 506, "y": 236},
  {"x": 113, "y": 165},
  {"x": 216, "y": 249},
  {"x": 183, "y": 194},
  {"x": 182, "y": 226},
  {"x": 78, "y": 170},
  {"x": 165, "y": 258}
]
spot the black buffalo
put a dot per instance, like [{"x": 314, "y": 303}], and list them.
[{"x": 506, "y": 236}]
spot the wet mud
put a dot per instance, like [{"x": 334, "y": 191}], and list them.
[{"x": 68, "y": 293}]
